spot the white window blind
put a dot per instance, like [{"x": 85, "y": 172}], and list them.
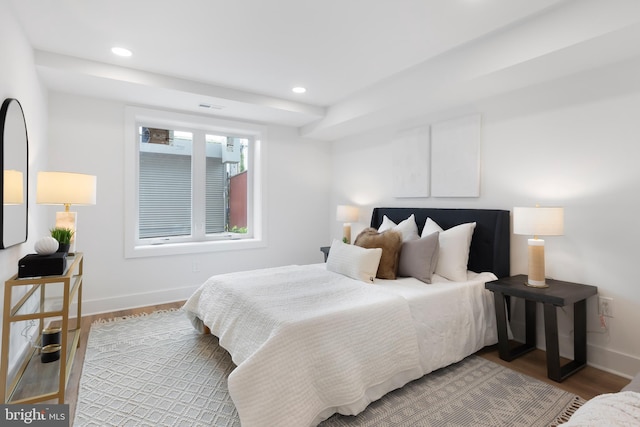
[
  {"x": 215, "y": 196},
  {"x": 165, "y": 195}
]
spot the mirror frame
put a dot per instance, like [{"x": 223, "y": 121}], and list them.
[{"x": 5, "y": 159}]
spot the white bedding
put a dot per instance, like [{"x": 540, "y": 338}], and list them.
[
  {"x": 452, "y": 319},
  {"x": 308, "y": 342},
  {"x": 612, "y": 409}
]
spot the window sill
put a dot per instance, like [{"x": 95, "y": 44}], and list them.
[{"x": 142, "y": 251}]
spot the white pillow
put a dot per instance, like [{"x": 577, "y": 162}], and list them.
[
  {"x": 354, "y": 261},
  {"x": 387, "y": 224},
  {"x": 454, "y": 249},
  {"x": 407, "y": 228}
]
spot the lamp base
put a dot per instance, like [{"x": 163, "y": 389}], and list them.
[
  {"x": 69, "y": 220},
  {"x": 533, "y": 284},
  {"x": 536, "y": 275},
  {"x": 346, "y": 233}
]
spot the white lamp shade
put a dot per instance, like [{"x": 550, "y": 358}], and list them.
[
  {"x": 538, "y": 221},
  {"x": 345, "y": 213},
  {"x": 12, "y": 187},
  {"x": 65, "y": 188}
]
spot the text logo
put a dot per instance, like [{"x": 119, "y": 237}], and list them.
[{"x": 35, "y": 415}]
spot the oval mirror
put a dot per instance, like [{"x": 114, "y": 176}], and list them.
[{"x": 14, "y": 158}]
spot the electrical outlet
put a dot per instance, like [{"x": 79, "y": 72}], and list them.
[
  {"x": 195, "y": 267},
  {"x": 605, "y": 306}
]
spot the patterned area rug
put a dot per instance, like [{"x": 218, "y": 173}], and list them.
[{"x": 156, "y": 370}]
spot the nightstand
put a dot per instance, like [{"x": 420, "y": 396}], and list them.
[
  {"x": 325, "y": 251},
  {"x": 558, "y": 294}
]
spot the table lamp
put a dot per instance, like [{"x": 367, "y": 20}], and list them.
[
  {"x": 65, "y": 188},
  {"x": 12, "y": 187},
  {"x": 346, "y": 214},
  {"x": 538, "y": 221}
]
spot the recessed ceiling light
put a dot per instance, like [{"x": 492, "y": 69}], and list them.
[
  {"x": 299, "y": 89},
  {"x": 121, "y": 51}
]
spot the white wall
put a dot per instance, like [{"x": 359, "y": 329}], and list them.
[
  {"x": 86, "y": 136},
  {"x": 18, "y": 80},
  {"x": 576, "y": 148}
]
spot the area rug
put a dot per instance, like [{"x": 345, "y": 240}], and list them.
[{"x": 156, "y": 370}]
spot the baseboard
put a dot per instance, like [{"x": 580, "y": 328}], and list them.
[
  {"x": 122, "y": 302},
  {"x": 615, "y": 362}
]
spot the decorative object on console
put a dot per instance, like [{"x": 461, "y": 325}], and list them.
[
  {"x": 46, "y": 246},
  {"x": 51, "y": 336},
  {"x": 63, "y": 236},
  {"x": 51, "y": 347},
  {"x": 347, "y": 214},
  {"x": 34, "y": 265},
  {"x": 50, "y": 353},
  {"x": 65, "y": 188},
  {"x": 537, "y": 221}
]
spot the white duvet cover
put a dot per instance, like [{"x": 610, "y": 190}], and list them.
[
  {"x": 308, "y": 342},
  {"x": 613, "y": 409}
]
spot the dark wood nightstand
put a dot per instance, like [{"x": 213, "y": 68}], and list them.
[
  {"x": 558, "y": 294},
  {"x": 325, "y": 251}
]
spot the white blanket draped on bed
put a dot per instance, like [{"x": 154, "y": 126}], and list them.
[
  {"x": 612, "y": 409},
  {"x": 305, "y": 342},
  {"x": 452, "y": 319}
]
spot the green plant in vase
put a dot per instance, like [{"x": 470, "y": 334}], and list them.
[{"x": 63, "y": 236}]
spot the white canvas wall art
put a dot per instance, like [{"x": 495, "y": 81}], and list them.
[
  {"x": 455, "y": 157},
  {"x": 411, "y": 160}
]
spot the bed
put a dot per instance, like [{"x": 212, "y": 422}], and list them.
[
  {"x": 611, "y": 409},
  {"x": 312, "y": 340}
]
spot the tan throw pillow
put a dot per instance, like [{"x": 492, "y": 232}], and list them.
[{"x": 390, "y": 242}]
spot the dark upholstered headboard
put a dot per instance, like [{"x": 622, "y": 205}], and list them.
[{"x": 490, "y": 245}]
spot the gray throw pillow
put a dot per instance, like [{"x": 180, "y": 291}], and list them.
[{"x": 418, "y": 258}]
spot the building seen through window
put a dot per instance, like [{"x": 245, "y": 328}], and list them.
[{"x": 192, "y": 185}]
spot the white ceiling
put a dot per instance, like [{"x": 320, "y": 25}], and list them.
[{"x": 363, "y": 62}]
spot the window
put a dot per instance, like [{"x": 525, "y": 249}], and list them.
[
  {"x": 164, "y": 184},
  {"x": 197, "y": 184}
]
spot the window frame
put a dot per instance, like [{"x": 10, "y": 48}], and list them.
[{"x": 256, "y": 203}]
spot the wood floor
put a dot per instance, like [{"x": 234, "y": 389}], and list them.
[{"x": 586, "y": 383}]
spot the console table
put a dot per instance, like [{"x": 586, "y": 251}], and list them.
[
  {"x": 558, "y": 294},
  {"x": 41, "y": 300}
]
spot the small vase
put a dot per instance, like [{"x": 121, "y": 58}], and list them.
[{"x": 64, "y": 247}]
